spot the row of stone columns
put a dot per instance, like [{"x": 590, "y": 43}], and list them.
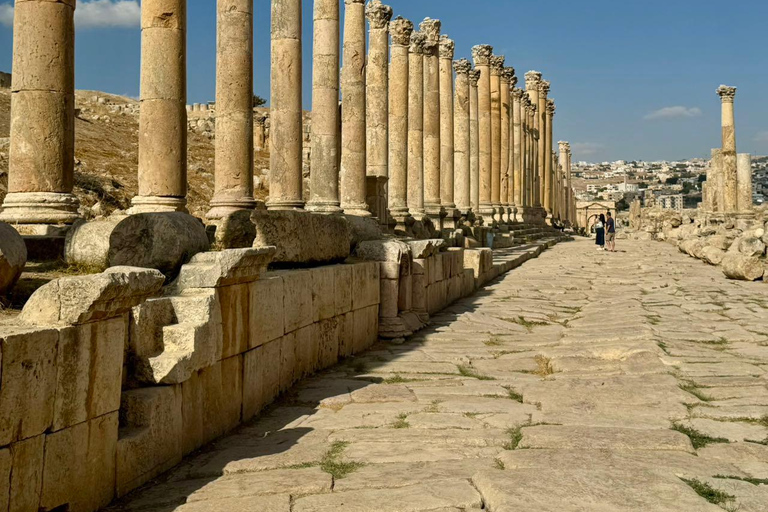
[{"x": 483, "y": 145}]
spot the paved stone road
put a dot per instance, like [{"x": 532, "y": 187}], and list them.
[{"x": 582, "y": 381}]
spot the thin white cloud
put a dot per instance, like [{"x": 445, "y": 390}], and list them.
[
  {"x": 673, "y": 113},
  {"x": 6, "y": 15},
  {"x": 762, "y": 137},
  {"x": 586, "y": 148},
  {"x": 108, "y": 13}
]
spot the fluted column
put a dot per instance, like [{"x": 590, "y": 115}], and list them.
[
  {"x": 549, "y": 167},
  {"x": 233, "y": 166},
  {"x": 400, "y": 29},
  {"x": 163, "y": 115},
  {"x": 729, "y": 169},
  {"x": 432, "y": 204},
  {"x": 474, "y": 141},
  {"x": 447, "y": 143},
  {"x": 42, "y": 144},
  {"x": 353, "y": 133},
  {"x": 416, "y": 126},
  {"x": 377, "y": 87},
  {"x": 462, "y": 136},
  {"x": 497, "y": 66},
  {"x": 286, "y": 123},
  {"x": 482, "y": 57},
  {"x": 506, "y": 75},
  {"x": 324, "y": 178},
  {"x": 517, "y": 149}
]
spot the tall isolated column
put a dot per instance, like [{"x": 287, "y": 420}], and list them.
[
  {"x": 462, "y": 137},
  {"x": 377, "y": 87},
  {"x": 324, "y": 150},
  {"x": 474, "y": 140},
  {"x": 416, "y": 126},
  {"x": 286, "y": 123},
  {"x": 549, "y": 167},
  {"x": 545, "y": 199},
  {"x": 447, "y": 144},
  {"x": 431, "y": 29},
  {"x": 506, "y": 75},
  {"x": 729, "y": 170},
  {"x": 517, "y": 168},
  {"x": 233, "y": 167},
  {"x": 163, "y": 114},
  {"x": 744, "y": 178},
  {"x": 482, "y": 57},
  {"x": 353, "y": 133},
  {"x": 42, "y": 144},
  {"x": 497, "y": 66},
  {"x": 400, "y": 29}
]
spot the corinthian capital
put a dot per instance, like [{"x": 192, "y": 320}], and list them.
[
  {"x": 497, "y": 64},
  {"x": 532, "y": 79},
  {"x": 481, "y": 54},
  {"x": 447, "y": 47},
  {"x": 517, "y": 94},
  {"x": 474, "y": 77},
  {"x": 550, "y": 107},
  {"x": 563, "y": 146},
  {"x": 417, "y": 42},
  {"x": 378, "y": 14},
  {"x": 507, "y": 75},
  {"x": 544, "y": 87},
  {"x": 401, "y": 30},
  {"x": 462, "y": 67},
  {"x": 726, "y": 93},
  {"x": 431, "y": 29}
]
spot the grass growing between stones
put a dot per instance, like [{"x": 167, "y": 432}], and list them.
[
  {"x": 333, "y": 464},
  {"x": 653, "y": 320},
  {"x": 522, "y": 321},
  {"x": 698, "y": 440},
  {"x": 468, "y": 371},
  {"x": 402, "y": 421},
  {"x": 514, "y": 395},
  {"x": 753, "y": 481},
  {"x": 399, "y": 379},
  {"x": 544, "y": 367},
  {"x": 494, "y": 341},
  {"x": 499, "y": 464},
  {"x": 690, "y": 387},
  {"x": 664, "y": 348},
  {"x": 709, "y": 493},
  {"x": 515, "y": 436}
]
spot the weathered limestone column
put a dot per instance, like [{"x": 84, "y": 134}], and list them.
[
  {"x": 286, "y": 123},
  {"x": 729, "y": 169},
  {"x": 545, "y": 198},
  {"x": 400, "y": 30},
  {"x": 258, "y": 133},
  {"x": 549, "y": 166},
  {"x": 517, "y": 148},
  {"x": 42, "y": 145},
  {"x": 562, "y": 146},
  {"x": 715, "y": 181},
  {"x": 431, "y": 29},
  {"x": 163, "y": 115},
  {"x": 353, "y": 133},
  {"x": 482, "y": 57},
  {"x": 324, "y": 150},
  {"x": 474, "y": 141},
  {"x": 233, "y": 167},
  {"x": 532, "y": 81},
  {"x": 497, "y": 66},
  {"x": 506, "y": 75},
  {"x": 447, "y": 144},
  {"x": 744, "y": 178},
  {"x": 377, "y": 87},
  {"x": 532, "y": 156},
  {"x": 462, "y": 136},
  {"x": 571, "y": 204},
  {"x": 525, "y": 134},
  {"x": 511, "y": 153},
  {"x": 416, "y": 126}
]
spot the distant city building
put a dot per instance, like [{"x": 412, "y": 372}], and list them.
[{"x": 671, "y": 202}]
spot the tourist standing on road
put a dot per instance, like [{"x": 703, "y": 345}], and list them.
[
  {"x": 610, "y": 235},
  {"x": 600, "y": 233}
]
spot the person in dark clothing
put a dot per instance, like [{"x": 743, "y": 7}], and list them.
[
  {"x": 610, "y": 233},
  {"x": 600, "y": 233}
]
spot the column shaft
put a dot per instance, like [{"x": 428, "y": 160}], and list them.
[
  {"x": 497, "y": 66},
  {"x": 549, "y": 165},
  {"x": 416, "y": 126},
  {"x": 474, "y": 141},
  {"x": 447, "y": 143},
  {"x": 401, "y": 30},
  {"x": 517, "y": 148},
  {"x": 462, "y": 136},
  {"x": 482, "y": 56},
  {"x": 431, "y": 29},
  {"x": 744, "y": 178},
  {"x": 729, "y": 167},
  {"x": 377, "y": 88},
  {"x": 505, "y": 139}
]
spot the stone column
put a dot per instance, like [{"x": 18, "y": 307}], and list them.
[
  {"x": 377, "y": 88},
  {"x": 233, "y": 167},
  {"x": 549, "y": 167},
  {"x": 543, "y": 153},
  {"x": 715, "y": 181},
  {"x": 524, "y": 155},
  {"x": 462, "y": 136},
  {"x": 497, "y": 66},
  {"x": 532, "y": 81},
  {"x": 400, "y": 30},
  {"x": 431, "y": 29},
  {"x": 286, "y": 122},
  {"x": 506, "y": 75},
  {"x": 474, "y": 141},
  {"x": 353, "y": 144},
  {"x": 571, "y": 205},
  {"x": 163, "y": 114},
  {"x": 511, "y": 158},
  {"x": 533, "y": 156},
  {"x": 258, "y": 133},
  {"x": 729, "y": 169},
  {"x": 42, "y": 144},
  {"x": 416, "y": 126},
  {"x": 744, "y": 178},
  {"x": 517, "y": 148},
  {"x": 562, "y": 146},
  {"x": 324, "y": 150},
  {"x": 447, "y": 148},
  {"x": 482, "y": 57}
]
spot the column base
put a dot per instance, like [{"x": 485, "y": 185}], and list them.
[
  {"x": 325, "y": 207},
  {"x": 436, "y": 214},
  {"x": 357, "y": 209},
  {"x": 285, "y": 204},
  {"x": 221, "y": 208},
  {"x": 157, "y": 204},
  {"x": 40, "y": 208},
  {"x": 403, "y": 221}
]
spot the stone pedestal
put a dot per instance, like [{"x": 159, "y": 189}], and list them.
[
  {"x": 42, "y": 143},
  {"x": 431, "y": 30},
  {"x": 233, "y": 173},
  {"x": 324, "y": 178},
  {"x": 286, "y": 123},
  {"x": 482, "y": 57}
]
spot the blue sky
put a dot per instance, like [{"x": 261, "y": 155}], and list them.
[{"x": 633, "y": 79}]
